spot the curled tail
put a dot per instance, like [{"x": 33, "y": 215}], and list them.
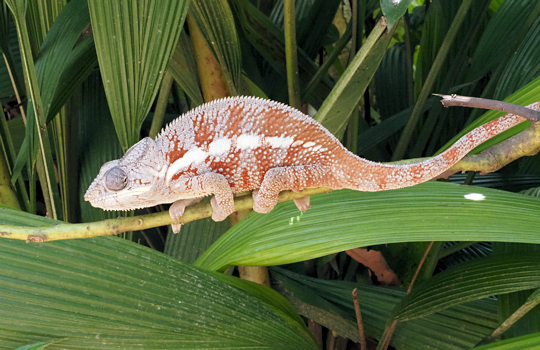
[{"x": 364, "y": 175}]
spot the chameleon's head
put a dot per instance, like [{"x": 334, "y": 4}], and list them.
[{"x": 126, "y": 183}]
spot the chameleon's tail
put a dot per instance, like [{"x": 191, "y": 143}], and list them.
[{"x": 370, "y": 176}]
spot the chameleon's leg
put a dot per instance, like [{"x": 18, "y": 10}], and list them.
[
  {"x": 176, "y": 210},
  {"x": 287, "y": 178},
  {"x": 204, "y": 185}
]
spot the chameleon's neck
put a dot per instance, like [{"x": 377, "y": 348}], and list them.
[{"x": 364, "y": 175}]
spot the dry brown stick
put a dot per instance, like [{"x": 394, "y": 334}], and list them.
[
  {"x": 428, "y": 249},
  {"x": 483, "y": 103},
  {"x": 363, "y": 345}
]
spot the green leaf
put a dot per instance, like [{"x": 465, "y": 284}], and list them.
[
  {"x": 523, "y": 66},
  {"x": 348, "y": 219},
  {"x": 114, "y": 293},
  {"x": 194, "y": 238},
  {"x": 40, "y": 16},
  {"x": 268, "y": 297},
  {"x": 57, "y": 50},
  {"x": 530, "y": 341},
  {"x": 391, "y": 81},
  {"x": 330, "y": 303},
  {"x": 62, "y": 65},
  {"x": 382, "y": 131},
  {"x": 394, "y": 9},
  {"x": 134, "y": 42},
  {"x": 82, "y": 61},
  {"x": 183, "y": 68},
  {"x": 509, "y": 303},
  {"x": 98, "y": 143},
  {"x": 344, "y": 98},
  {"x": 10, "y": 49},
  {"x": 38, "y": 346},
  {"x": 315, "y": 26},
  {"x": 480, "y": 278},
  {"x": 36, "y": 118},
  {"x": 503, "y": 27},
  {"x": 216, "y": 22}
]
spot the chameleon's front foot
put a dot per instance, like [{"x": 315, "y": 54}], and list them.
[
  {"x": 203, "y": 185},
  {"x": 177, "y": 209},
  {"x": 222, "y": 207},
  {"x": 263, "y": 203}
]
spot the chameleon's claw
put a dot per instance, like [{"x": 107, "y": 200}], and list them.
[
  {"x": 262, "y": 204},
  {"x": 221, "y": 211},
  {"x": 177, "y": 209},
  {"x": 302, "y": 203},
  {"x": 176, "y": 227}
]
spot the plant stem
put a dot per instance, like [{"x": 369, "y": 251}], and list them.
[{"x": 293, "y": 82}]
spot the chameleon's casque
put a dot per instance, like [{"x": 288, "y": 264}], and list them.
[{"x": 243, "y": 143}]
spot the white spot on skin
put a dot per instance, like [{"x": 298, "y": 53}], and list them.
[
  {"x": 158, "y": 174},
  {"x": 309, "y": 144},
  {"x": 219, "y": 146},
  {"x": 297, "y": 143},
  {"x": 475, "y": 196},
  {"x": 192, "y": 157},
  {"x": 280, "y": 142},
  {"x": 248, "y": 141}
]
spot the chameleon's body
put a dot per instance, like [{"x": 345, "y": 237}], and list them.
[{"x": 244, "y": 143}]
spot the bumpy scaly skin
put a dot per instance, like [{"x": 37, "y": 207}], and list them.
[{"x": 244, "y": 143}]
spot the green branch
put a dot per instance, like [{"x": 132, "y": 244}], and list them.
[{"x": 125, "y": 224}]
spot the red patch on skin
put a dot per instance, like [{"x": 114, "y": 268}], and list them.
[
  {"x": 175, "y": 155},
  {"x": 189, "y": 171}
]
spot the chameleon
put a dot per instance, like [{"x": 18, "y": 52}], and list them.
[{"x": 244, "y": 143}]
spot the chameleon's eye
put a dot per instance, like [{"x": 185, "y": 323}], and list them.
[{"x": 116, "y": 179}]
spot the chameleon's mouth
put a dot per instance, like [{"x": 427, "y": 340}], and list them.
[{"x": 127, "y": 199}]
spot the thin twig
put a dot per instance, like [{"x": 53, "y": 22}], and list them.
[
  {"x": 394, "y": 324},
  {"x": 419, "y": 266},
  {"x": 17, "y": 96},
  {"x": 354, "y": 39},
  {"x": 484, "y": 103},
  {"x": 363, "y": 345}
]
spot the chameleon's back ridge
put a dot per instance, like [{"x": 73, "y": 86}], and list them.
[{"x": 243, "y": 143}]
